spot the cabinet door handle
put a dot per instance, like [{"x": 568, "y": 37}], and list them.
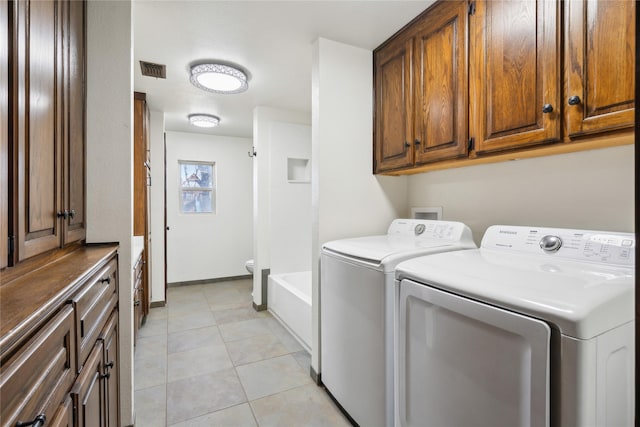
[
  {"x": 417, "y": 142},
  {"x": 63, "y": 214},
  {"x": 106, "y": 279},
  {"x": 547, "y": 108},
  {"x": 72, "y": 213},
  {"x": 108, "y": 365},
  {"x": 107, "y": 375},
  {"x": 573, "y": 100},
  {"x": 136, "y": 303},
  {"x": 406, "y": 144},
  {"x": 37, "y": 422}
]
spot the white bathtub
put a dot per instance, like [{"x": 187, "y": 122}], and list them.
[{"x": 289, "y": 300}]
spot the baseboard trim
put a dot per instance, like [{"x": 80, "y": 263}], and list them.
[
  {"x": 316, "y": 377},
  {"x": 264, "y": 284},
  {"x": 261, "y": 307},
  {"x": 205, "y": 281},
  {"x": 156, "y": 304}
]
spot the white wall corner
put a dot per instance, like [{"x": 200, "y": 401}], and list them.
[
  {"x": 347, "y": 199},
  {"x": 110, "y": 160}
]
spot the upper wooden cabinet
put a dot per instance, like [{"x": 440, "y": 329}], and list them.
[
  {"x": 393, "y": 106},
  {"x": 445, "y": 96},
  {"x": 599, "y": 65},
  {"x": 441, "y": 83},
  {"x": 47, "y": 95},
  {"x": 514, "y": 74},
  {"x": 421, "y": 91},
  {"x": 74, "y": 146}
]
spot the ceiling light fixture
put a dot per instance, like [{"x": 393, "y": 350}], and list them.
[
  {"x": 219, "y": 78},
  {"x": 204, "y": 120}
]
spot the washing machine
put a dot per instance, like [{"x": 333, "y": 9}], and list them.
[
  {"x": 534, "y": 328},
  {"x": 357, "y": 311}
]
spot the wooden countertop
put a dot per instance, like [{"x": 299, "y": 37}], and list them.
[{"x": 28, "y": 300}]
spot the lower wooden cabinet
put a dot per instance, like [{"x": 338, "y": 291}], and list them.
[
  {"x": 38, "y": 377},
  {"x": 88, "y": 393},
  {"x": 64, "y": 415},
  {"x": 138, "y": 296},
  {"x": 96, "y": 391},
  {"x": 59, "y": 342},
  {"x": 109, "y": 338}
]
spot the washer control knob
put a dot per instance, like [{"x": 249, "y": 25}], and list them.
[
  {"x": 550, "y": 244},
  {"x": 419, "y": 229}
]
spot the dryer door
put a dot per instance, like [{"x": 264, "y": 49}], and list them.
[{"x": 464, "y": 363}]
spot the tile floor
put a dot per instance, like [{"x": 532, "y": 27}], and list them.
[{"x": 209, "y": 359}]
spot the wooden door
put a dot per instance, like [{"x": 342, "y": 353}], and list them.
[
  {"x": 38, "y": 128},
  {"x": 599, "y": 65},
  {"x": 111, "y": 371},
  {"x": 514, "y": 80},
  {"x": 393, "y": 110},
  {"x": 441, "y": 81},
  {"x": 74, "y": 147},
  {"x": 88, "y": 391}
]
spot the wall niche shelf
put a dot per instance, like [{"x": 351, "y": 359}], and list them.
[{"x": 298, "y": 171}]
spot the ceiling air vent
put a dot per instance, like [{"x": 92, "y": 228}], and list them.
[{"x": 150, "y": 69}]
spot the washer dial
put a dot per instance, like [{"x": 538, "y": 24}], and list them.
[{"x": 550, "y": 244}]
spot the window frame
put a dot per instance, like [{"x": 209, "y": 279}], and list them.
[{"x": 184, "y": 189}]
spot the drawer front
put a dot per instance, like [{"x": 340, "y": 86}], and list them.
[
  {"x": 64, "y": 415},
  {"x": 93, "y": 305},
  {"x": 88, "y": 391},
  {"x": 37, "y": 378}
]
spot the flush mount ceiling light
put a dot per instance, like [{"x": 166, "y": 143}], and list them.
[
  {"x": 204, "y": 120},
  {"x": 218, "y": 78}
]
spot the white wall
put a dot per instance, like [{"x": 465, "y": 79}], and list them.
[
  {"x": 263, "y": 118},
  {"x": 347, "y": 199},
  {"x": 210, "y": 246},
  {"x": 290, "y": 202},
  {"x": 587, "y": 190},
  {"x": 110, "y": 159},
  {"x": 156, "y": 134}
]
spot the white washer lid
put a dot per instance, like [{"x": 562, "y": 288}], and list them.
[
  {"x": 405, "y": 238},
  {"x": 582, "y": 299},
  {"x": 386, "y": 249}
]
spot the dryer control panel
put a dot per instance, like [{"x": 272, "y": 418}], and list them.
[
  {"x": 430, "y": 229},
  {"x": 594, "y": 246}
]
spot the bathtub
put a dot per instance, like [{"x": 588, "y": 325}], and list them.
[{"x": 289, "y": 300}]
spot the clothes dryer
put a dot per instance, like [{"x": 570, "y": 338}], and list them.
[
  {"x": 534, "y": 328},
  {"x": 357, "y": 311}
]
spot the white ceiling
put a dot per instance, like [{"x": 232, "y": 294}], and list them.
[{"x": 272, "y": 40}]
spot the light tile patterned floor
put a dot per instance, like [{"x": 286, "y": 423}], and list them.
[{"x": 209, "y": 359}]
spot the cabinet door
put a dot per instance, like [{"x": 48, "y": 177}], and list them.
[
  {"x": 139, "y": 157},
  {"x": 393, "y": 115},
  {"x": 74, "y": 137},
  {"x": 111, "y": 371},
  {"x": 441, "y": 83},
  {"x": 599, "y": 65},
  {"x": 38, "y": 126},
  {"x": 514, "y": 74},
  {"x": 88, "y": 391},
  {"x": 64, "y": 416}
]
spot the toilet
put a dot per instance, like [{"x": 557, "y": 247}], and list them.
[{"x": 249, "y": 266}]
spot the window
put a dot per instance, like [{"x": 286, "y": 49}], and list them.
[{"x": 197, "y": 187}]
